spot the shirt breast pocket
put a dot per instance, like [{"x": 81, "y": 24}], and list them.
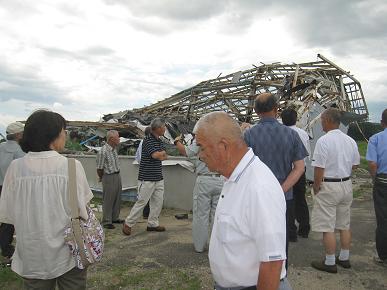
[{"x": 227, "y": 229}]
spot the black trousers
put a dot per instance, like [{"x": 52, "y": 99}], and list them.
[
  {"x": 380, "y": 204},
  {"x": 145, "y": 211},
  {"x": 301, "y": 210},
  {"x": 291, "y": 230},
  {"x": 6, "y": 238}
]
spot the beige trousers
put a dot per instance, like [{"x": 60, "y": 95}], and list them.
[{"x": 152, "y": 191}]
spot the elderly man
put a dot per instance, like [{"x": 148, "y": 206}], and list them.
[
  {"x": 334, "y": 157},
  {"x": 150, "y": 180},
  {"x": 281, "y": 149},
  {"x": 205, "y": 195},
  {"x": 247, "y": 246},
  {"x": 108, "y": 170},
  {"x": 10, "y": 150},
  {"x": 377, "y": 161},
  {"x": 289, "y": 118}
]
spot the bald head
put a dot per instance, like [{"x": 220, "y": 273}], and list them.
[
  {"x": 265, "y": 103},
  {"x": 111, "y": 133},
  {"x": 221, "y": 142},
  {"x": 217, "y": 125}
]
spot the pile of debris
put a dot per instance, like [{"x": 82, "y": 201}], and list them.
[{"x": 308, "y": 87}]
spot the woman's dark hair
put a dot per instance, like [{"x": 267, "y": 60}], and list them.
[
  {"x": 384, "y": 117},
  {"x": 40, "y": 130},
  {"x": 289, "y": 117}
]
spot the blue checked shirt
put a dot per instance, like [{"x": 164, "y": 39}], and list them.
[
  {"x": 277, "y": 146},
  {"x": 377, "y": 151}
]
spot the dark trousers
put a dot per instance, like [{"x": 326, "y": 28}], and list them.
[
  {"x": 291, "y": 230},
  {"x": 6, "y": 238},
  {"x": 112, "y": 187},
  {"x": 380, "y": 203},
  {"x": 300, "y": 206},
  {"x": 75, "y": 279},
  {"x": 145, "y": 211}
]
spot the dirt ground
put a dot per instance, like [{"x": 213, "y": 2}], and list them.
[{"x": 151, "y": 260}]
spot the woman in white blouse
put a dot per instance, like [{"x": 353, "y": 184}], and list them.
[{"x": 35, "y": 200}]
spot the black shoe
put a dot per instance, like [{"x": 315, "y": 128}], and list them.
[
  {"x": 109, "y": 226},
  {"x": 119, "y": 221},
  {"x": 293, "y": 239},
  {"x": 145, "y": 217},
  {"x": 320, "y": 265},
  {"x": 343, "y": 263}
]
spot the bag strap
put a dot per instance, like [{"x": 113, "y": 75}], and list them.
[
  {"x": 75, "y": 219},
  {"x": 73, "y": 189}
]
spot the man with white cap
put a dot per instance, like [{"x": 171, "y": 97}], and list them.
[{"x": 9, "y": 151}]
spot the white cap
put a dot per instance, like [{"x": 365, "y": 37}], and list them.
[{"x": 15, "y": 128}]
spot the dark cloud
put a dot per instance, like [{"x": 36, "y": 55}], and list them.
[
  {"x": 27, "y": 86},
  {"x": 355, "y": 26}
]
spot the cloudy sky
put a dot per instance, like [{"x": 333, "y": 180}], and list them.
[{"x": 92, "y": 57}]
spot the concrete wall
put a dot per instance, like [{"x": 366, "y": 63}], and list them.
[{"x": 179, "y": 181}]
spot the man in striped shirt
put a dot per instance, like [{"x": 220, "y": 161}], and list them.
[
  {"x": 150, "y": 180},
  {"x": 108, "y": 170}
]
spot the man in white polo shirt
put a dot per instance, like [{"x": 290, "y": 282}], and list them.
[
  {"x": 335, "y": 155},
  {"x": 248, "y": 240}
]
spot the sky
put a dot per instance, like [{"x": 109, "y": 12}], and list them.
[{"x": 88, "y": 58}]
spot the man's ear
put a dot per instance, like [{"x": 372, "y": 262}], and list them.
[{"x": 224, "y": 143}]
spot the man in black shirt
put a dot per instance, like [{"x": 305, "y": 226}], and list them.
[{"x": 150, "y": 180}]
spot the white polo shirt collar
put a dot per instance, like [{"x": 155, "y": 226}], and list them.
[{"x": 243, "y": 164}]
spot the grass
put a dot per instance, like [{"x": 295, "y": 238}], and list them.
[
  {"x": 9, "y": 279},
  {"x": 362, "y": 145},
  {"x": 126, "y": 277}
]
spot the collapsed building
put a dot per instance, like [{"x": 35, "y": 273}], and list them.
[{"x": 308, "y": 87}]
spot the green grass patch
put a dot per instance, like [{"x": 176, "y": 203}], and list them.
[
  {"x": 362, "y": 145},
  {"x": 129, "y": 278},
  {"x": 357, "y": 193},
  {"x": 9, "y": 279}
]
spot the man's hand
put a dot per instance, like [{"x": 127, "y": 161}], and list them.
[
  {"x": 318, "y": 179},
  {"x": 100, "y": 174},
  {"x": 178, "y": 139},
  {"x": 316, "y": 189},
  {"x": 160, "y": 155}
]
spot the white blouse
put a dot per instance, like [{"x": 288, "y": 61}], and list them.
[{"x": 35, "y": 200}]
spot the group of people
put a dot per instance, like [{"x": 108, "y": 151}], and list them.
[{"x": 250, "y": 189}]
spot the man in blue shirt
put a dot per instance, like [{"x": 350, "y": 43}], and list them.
[
  {"x": 377, "y": 162},
  {"x": 281, "y": 149}
]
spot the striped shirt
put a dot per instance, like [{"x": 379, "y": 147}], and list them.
[
  {"x": 150, "y": 168},
  {"x": 107, "y": 159}
]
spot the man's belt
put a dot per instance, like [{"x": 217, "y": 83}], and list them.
[
  {"x": 209, "y": 174},
  {"x": 381, "y": 177},
  {"x": 336, "y": 179},
  {"x": 117, "y": 172}
]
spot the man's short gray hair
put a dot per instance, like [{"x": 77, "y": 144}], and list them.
[
  {"x": 157, "y": 123},
  {"x": 111, "y": 134},
  {"x": 333, "y": 115},
  {"x": 219, "y": 125}
]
